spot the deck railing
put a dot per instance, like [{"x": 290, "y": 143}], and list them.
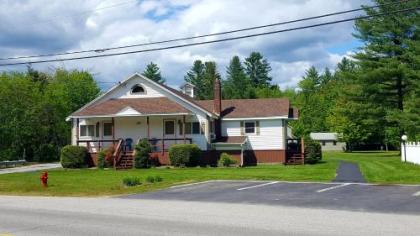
[
  {"x": 158, "y": 144},
  {"x": 162, "y": 145}
]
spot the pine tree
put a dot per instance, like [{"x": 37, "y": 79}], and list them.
[
  {"x": 389, "y": 67},
  {"x": 257, "y": 69},
  {"x": 152, "y": 72},
  {"x": 195, "y": 76},
  {"x": 237, "y": 84},
  {"x": 210, "y": 75}
]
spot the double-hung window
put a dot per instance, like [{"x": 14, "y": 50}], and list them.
[
  {"x": 87, "y": 130},
  {"x": 249, "y": 127}
]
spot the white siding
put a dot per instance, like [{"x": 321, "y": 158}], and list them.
[
  {"x": 124, "y": 91},
  {"x": 271, "y": 135}
]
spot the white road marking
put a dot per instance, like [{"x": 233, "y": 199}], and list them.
[
  {"x": 257, "y": 186},
  {"x": 416, "y": 194},
  {"x": 333, "y": 187},
  {"x": 191, "y": 184}
]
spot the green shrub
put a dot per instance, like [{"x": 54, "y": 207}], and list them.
[
  {"x": 226, "y": 160},
  {"x": 101, "y": 159},
  {"x": 313, "y": 152},
  {"x": 184, "y": 154},
  {"x": 142, "y": 154},
  {"x": 109, "y": 156},
  {"x": 158, "y": 179},
  {"x": 131, "y": 181},
  {"x": 74, "y": 156},
  {"x": 150, "y": 179}
]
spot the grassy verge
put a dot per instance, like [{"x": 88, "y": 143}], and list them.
[
  {"x": 377, "y": 167},
  {"x": 89, "y": 182},
  {"x": 380, "y": 167}
]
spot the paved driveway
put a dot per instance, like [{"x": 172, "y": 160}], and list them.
[
  {"x": 30, "y": 168},
  {"x": 340, "y": 196}
]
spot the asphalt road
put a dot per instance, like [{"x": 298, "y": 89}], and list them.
[
  {"x": 111, "y": 216},
  {"x": 30, "y": 168},
  {"x": 400, "y": 199}
]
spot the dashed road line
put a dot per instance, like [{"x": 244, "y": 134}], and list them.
[
  {"x": 416, "y": 194},
  {"x": 257, "y": 186},
  {"x": 191, "y": 184},
  {"x": 333, "y": 187}
]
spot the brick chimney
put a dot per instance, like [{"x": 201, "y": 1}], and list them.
[
  {"x": 217, "y": 107},
  {"x": 217, "y": 100}
]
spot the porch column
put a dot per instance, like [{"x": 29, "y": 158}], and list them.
[
  {"x": 163, "y": 137},
  {"x": 207, "y": 131},
  {"x": 113, "y": 130},
  {"x": 77, "y": 131},
  {"x": 183, "y": 128},
  {"x": 148, "y": 128}
]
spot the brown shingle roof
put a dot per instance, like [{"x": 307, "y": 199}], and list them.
[
  {"x": 246, "y": 108},
  {"x": 188, "y": 98},
  {"x": 142, "y": 105}
]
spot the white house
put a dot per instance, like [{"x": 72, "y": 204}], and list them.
[
  {"x": 252, "y": 130},
  {"x": 328, "y": 141}
]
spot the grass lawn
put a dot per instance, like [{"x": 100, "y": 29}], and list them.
[
  {"x": 91, "y": 182},
  {"x": 380, "y": 167},
  {"x": 377, "y": 167}
]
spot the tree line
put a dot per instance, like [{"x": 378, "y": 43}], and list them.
[
  {"x": 371, "y": 98},
  {"x": 33, "y": 109}
]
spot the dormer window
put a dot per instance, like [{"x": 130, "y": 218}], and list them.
[{"x": 138, "y": 89}]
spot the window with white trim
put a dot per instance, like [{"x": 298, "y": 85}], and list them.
[
  {"x": 107, "y": 129},
  {"x": 169, "y": 127},
  {"x": 87, "y": 130},
  {"x": 190, "y": 128},
  {"x": 249, "y": 127}
]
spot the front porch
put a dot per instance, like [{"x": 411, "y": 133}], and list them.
[{"x": 124, "y": 132}]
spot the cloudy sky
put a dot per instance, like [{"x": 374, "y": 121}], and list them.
[{"x": 31, "y": 27}]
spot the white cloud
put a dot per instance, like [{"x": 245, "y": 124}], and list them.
[{"x": 43, "y": 26}]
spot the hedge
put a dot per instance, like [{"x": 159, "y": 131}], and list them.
[
  {"x": 74, "y": 156},
  {"x": 184, "y": 154}
]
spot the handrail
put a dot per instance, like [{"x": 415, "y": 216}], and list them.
[{"x": 117, "y": 152}]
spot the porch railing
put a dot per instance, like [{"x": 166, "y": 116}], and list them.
[
  {"x": 100, "y": 144},
  {"x": 118, "y": 152},
  {"x": 162, "y": 145},
  {"x": 158, "y": 144}
]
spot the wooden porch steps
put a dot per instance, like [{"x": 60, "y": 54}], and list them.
[
  {"x": 126, "y": 161},
  {"x": 294, "y": 159}
]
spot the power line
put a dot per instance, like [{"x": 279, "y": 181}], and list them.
[
  {"x": 100, "y": 50},
  {"x": 212, "y": 41},
  {"x": 83, "y": 12}
]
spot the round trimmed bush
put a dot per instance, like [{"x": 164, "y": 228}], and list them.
[
  {"x": 313, "y": 152},
  {"x": 226, "y": 160},
  {"x": 184, "y": 154},
  {"x": 74, "y": 156}
]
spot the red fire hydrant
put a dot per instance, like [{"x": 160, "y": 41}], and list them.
[{"x": 44, "y": 179}]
